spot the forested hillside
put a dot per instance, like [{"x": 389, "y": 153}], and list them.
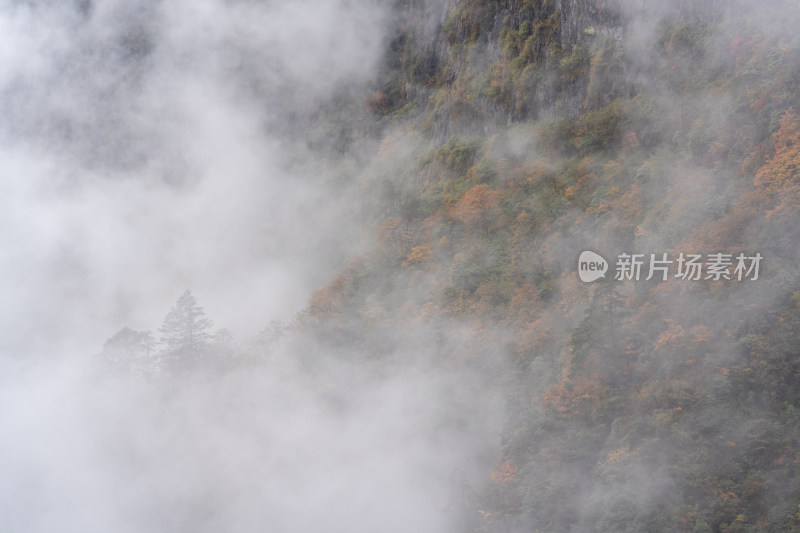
[
  {"x": 422, "y": 176},
  {"x": 516, "y": 134}
]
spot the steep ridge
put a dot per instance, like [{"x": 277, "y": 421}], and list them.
[{"x": 516, "y": 134}]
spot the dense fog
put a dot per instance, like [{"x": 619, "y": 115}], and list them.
[
  {"x": 148, "y": 148},
  {"x": 311, "y": 266}
]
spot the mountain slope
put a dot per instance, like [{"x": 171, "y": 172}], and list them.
[{"x": 515, "y": 135}]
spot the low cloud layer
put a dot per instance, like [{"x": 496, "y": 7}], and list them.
[
  {"x": 240, "y": 453},
  {"x": 145, "y": 150}
]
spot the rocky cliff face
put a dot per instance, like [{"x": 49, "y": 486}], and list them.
[
  {"x": 583, "y": 18},
  {"x": 472, "y": 65}
]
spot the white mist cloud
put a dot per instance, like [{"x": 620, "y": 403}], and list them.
[
  {"x": 145, "y": 151},
  {"x": 150, "y": 147},
  {"x": 240, "y": 452}
]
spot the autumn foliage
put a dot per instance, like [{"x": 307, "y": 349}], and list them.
[
  {"x": 780, "y": 175},
  {"x": 476, "y": 206},
  {"x": 696, "y": 150}
]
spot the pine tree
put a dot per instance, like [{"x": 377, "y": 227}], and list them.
[{"x": 184, "y": 332}]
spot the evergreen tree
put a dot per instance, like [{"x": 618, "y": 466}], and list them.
[{"x": 184, "y": 332}]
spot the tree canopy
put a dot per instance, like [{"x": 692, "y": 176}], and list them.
[{"x": 186, "y": 326}]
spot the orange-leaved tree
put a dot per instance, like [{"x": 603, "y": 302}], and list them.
[
  {"x": 476, "y": 207},
  {"x": 779, "y": 178}
]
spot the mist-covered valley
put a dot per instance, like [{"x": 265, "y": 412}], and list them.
[{"x": 317, "y": 266}]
